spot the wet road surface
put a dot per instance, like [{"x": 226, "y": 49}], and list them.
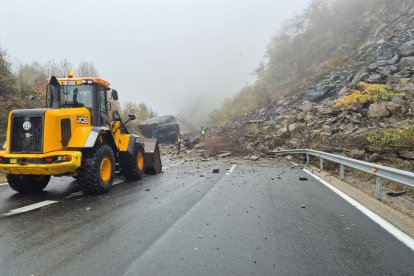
[{"x": 246, "y": 220}]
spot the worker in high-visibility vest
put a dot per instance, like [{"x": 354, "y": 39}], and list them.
[
  {"x": 203, "y": 133},
  {"x": 178, "y": 142}
]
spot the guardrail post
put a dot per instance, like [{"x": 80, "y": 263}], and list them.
[
  {"x": 341, "y": 171},
  {"x": 307, "y": 158},
  {"x": 378, "y": 188},
  {"x": 321, "y": 163}
]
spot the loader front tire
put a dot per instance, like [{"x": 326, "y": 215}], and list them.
[
  {"x": 96, "y": 174},
  {"x": 28, "y": 183},
  {"x": 133, "y": 165}
]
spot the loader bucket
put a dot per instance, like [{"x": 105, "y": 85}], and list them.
[{"x": 152, "y": 157}]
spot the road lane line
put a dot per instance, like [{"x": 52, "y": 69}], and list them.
[
  {"x": 229, "y": 172},
  {"x": 4, "y": 184},
  {"x": 397, "y": 233},
  {"x": 30, "y": 207}
]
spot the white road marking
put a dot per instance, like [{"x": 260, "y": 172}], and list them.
[
  {"x": 397, "y": 233},
  {"x": 229, "y": 172},
  {"x": 4, "y": 184},
  {"x": 30, "y": 207},
  {"x": 74, "y": 195}
]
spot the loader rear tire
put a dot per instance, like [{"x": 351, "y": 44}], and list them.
[
  {"x": 28, "y": 183},
  {"x": 133, "y": 165},
  {"x": 96, "y": 174}
]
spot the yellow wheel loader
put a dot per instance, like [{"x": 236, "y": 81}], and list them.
[{"x": 74, "y": 136}]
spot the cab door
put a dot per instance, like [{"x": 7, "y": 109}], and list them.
[{"x": 103, "y": 116}]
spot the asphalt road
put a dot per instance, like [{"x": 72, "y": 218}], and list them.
[{"x": 194, "y": 222}]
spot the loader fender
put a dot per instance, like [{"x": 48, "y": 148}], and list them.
[
  {"x": 132, "y": 140},
  {"x": 86, "y": 137}
]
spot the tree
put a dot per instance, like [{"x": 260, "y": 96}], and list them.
[
  {"x": 7, "y": 79},
  {"x": 87, "y": 69},
  {"x": 59, "y": 70}
]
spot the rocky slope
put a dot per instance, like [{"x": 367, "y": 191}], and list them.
[{"x": 308, "y": 118}]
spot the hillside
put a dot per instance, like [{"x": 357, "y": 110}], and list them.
[{"x": 337, "y": 78}]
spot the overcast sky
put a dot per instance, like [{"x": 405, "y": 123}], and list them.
[{"x": 166, "y": 53}]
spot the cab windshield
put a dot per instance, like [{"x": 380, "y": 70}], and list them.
[{"x": 76, "y": 95}]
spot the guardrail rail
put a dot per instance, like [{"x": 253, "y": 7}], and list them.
[{"x": 396, "y": 175}]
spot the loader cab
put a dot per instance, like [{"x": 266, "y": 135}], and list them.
[{"x": 91, "y": 93}]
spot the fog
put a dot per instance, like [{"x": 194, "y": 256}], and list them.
[{"x": 178, "y": 56}]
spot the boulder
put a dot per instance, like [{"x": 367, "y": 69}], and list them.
[
  {"x": 356, "y": 153},
  {"x": 407, "y": 62},
  {"x": 393, "y": 60},
  {"x": 394, "y": 108},
  {"x": 320, "y": 93},
  {"x": 378, "y": 110},
  {"x": 375, "y": 78},
  {"x": 324, "y": 110},
  {"x": 406, "y": 154},
  {"x": 407, "y": 49},
  {"x": 359, "y": 76},
  {"x": 164, "y": 128},
  {"x": 375, "y": 157}
]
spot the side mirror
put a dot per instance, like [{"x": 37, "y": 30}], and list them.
[
  {"x": 114, "y": 95},
  {"x": 108, "y": 106},
  {"x": 132, "y": 117}
]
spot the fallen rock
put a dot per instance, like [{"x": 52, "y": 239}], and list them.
[
  {"x": 320, "y": 93},
  {"x": 394, "y": 194},
  {"x": 394, "y": 60},
  {"x": 407, "y": 62},
  {"x": 303, "y": 178},
  {"x": 359, "y": 76},
  {"x": 356, "y": 153},
  {"x": 164, "y": 128},
  {"x": 216, "y": 170},
  {"x": 224, "y": 155},
  {"x": 325, "y": 110},
  {"x": 147, "y": 189},
  {"x": 406, "y": 154},
  {"x": 394, "y": 108},
  {"x": 374, "y": 157},
  {"x": 407, "y": 49},
  {"x": 254, "y": 158},
  {"x": 378, "y": 110}
]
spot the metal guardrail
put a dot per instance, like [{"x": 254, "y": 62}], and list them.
[{"x": 396, "y": 175}]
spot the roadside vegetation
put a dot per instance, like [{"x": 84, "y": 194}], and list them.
[
  {"x": 369, "y": 93},
  {"x": 397, "y": 138}
]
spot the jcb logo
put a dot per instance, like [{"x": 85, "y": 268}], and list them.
[{"x": 82, "y": 120}]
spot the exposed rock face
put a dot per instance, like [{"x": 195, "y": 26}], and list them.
[{"x": 164, "y": 128}]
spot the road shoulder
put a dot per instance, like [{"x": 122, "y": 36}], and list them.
[{"x": 402, "y": 221}]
